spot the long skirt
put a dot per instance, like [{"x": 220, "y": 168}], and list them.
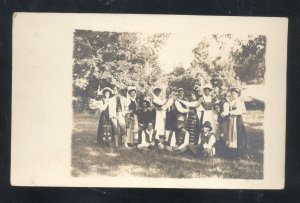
[
  {"x": 104, "y": 134},
  {"x": 193, "y": 127},
  {"x": 131, "y": 128},
  {"x": 160, "y": 119},
  {"x": 208, "y": 115},
  {"x": 236, "y": 137},
  {"x": 170, "y": 120}
]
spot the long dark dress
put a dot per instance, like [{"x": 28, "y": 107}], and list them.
[
  {"x": 171, "y": 118},
  {"x": 193, "y": 126},
  {"x": 104, "y": 135}
]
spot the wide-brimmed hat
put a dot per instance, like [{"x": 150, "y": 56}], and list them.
[
  {"x": 180, "y": 89},
  {"x": 236, "y": 89},
  {"x": 107, "y": 89},
  {"x": 207, "y": 86},
  {"x": 131, "y": 88},
  {"x": 207, "y": 124}
]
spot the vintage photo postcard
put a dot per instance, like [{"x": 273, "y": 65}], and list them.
[{"x": 152, "y": 101}]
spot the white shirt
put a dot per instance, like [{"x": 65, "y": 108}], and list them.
[{"x": 150, "y": 133}]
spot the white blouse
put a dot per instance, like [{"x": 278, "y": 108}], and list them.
[{"x": 239, "y": 106}]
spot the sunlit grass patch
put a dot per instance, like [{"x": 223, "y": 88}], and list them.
[{"x": 90, "y": 159}]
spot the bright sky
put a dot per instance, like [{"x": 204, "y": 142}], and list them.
[{"x": 178, "y": 51}]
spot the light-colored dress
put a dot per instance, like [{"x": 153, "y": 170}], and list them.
[
  {"x": 160, "y": 117},
  {"x": 208, "y": 114}
]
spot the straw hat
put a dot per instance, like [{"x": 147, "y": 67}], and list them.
[
  {"x": 236, "y": 89},
  {"x": 131, "y": 88},
  {"x": 180, "y": 89},
  {"x": 107, "y": 89},
  {"x": 207, "y": 86}
]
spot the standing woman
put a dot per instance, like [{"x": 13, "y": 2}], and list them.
[
  {"x": 207, "y": 104},
  {"x": 160, "y": 113},
  {"x": 170, "y": 123},
  {"x": 104, "y": 135},
  {"x": 131, "y": 117},
  {"x": 193, "y": 123},
  {"x": 237, "y": 139}
]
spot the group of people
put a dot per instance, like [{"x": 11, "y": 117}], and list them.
[{"x": 207, "y": 123}]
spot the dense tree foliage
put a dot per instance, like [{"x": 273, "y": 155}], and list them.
[
  {"x": 109, "y": 58},
  {"x": 250, "y": 61}
]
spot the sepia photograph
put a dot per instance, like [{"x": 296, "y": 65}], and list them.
[
  {"x": 144, "y": 106},
  {"x": 148, "y": 101}
]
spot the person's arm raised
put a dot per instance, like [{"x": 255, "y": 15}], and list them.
[
  {"x": 158, "y": 100},
  {"x": 168, "y": 104},
  {"x": 195, "y": 104},
  {"x": 180, "y": 108}
]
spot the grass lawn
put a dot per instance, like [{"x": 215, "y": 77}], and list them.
[{"x": 89, "y": 159}]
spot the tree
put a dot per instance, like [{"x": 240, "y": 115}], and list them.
[
  {"x": 234, "y": 60},
  {"x": 250, "y": 61},
  {"x": 109, "y": 58}
]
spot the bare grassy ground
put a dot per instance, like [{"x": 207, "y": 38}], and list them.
[{"x": 90, "y": 159}]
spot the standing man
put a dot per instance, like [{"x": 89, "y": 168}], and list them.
[
  {"x": 181, "y": 109},
  {"x": 216, "y": 83},
  {"x": 131, "y": 108},
  {"x": 117, "y": 115},
  {"x": 223, "y": 122}
]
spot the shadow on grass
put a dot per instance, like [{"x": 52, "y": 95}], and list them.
[{"x": 90, "y": 159}]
